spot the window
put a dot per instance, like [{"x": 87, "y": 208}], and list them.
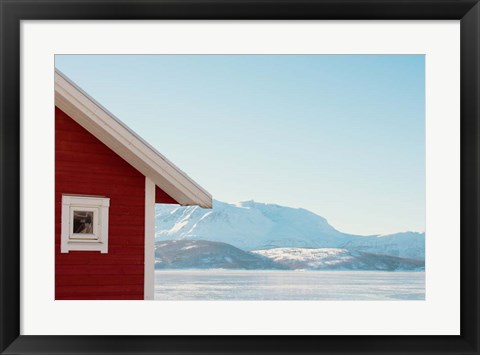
[{"x": 84, "y": 223}]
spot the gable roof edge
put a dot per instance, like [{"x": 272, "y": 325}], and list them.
[{"x": 106, "y": 127}]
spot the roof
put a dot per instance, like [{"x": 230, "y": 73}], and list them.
[{"x": 101, "y": 123}]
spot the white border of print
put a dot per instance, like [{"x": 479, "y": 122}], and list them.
[{"x": 438, "y": 40}]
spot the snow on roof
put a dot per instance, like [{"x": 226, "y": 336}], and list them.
[{"x": 127, "y": 144}]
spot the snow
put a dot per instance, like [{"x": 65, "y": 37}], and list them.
[
  {"x": 337, "y": 259},
  {"x": 312, "y": 258},
  {"x": 202, "y": 254},
  {"x": 189, "y": 247},
  {"x": 217, "y": 285}
]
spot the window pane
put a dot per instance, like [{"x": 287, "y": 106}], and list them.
[{"x": 83, "y": 222}]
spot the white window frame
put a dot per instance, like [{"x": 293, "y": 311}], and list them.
[{"x": 95, "y": 241}]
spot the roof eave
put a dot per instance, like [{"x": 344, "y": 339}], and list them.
[{"x": 127, "y": 144}]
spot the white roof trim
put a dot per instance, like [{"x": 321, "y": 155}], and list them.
[{"x": 127, "y": 144}]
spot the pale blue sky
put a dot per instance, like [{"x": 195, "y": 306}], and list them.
[{"x": 340, "y": 135}]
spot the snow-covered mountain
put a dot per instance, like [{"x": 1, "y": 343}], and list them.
[
  {"x": 338, "y": 259},
  {"x": 404, "y": 245},
  {"x": 201, "y": 254},
  {"x": 251, "y": 225}
]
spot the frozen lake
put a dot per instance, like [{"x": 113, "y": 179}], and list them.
[{"x": 176, "y": 285}]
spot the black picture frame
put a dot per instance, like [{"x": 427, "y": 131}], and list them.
[{"x": 14, "y": 11}]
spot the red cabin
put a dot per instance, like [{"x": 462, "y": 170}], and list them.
[{"x": 107, "y": 181}]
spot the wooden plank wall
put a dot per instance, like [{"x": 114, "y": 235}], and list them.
[{"x": 84, "y": 165}]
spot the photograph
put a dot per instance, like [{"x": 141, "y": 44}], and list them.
[{"x": 240, "y": 177}]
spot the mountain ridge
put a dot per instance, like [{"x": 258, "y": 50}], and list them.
[
  {"x": 251, "y": 225},
  {"x": 201, "y": 254}
]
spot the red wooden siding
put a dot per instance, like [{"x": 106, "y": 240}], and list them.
[
  {"x": 162, "y": 197},
  {"x": 84, "y": 165}
]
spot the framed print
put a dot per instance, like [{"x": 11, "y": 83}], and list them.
[{"x": 248, "y": 177}]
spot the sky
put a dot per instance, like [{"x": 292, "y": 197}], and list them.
[{"x": 340, "y": 135}]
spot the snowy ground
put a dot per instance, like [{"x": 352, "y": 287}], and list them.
[{"x": 288, "y": 285}]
